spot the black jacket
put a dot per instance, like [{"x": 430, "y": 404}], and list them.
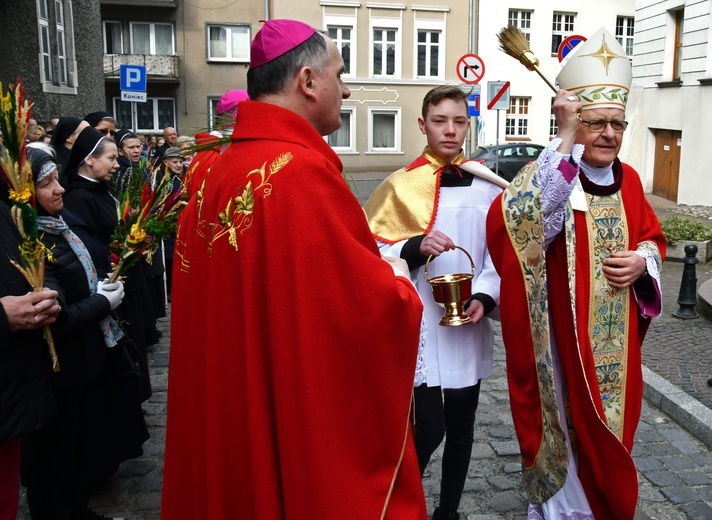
[
  {"x": 79, "y": 340},
  {"x": 26, "y": 400}
]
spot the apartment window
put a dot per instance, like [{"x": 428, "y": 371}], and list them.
[
  {"x": 152, "y": 116},
  {"x": 113, "y": 38},
  {"x": 518, "y": 117},
  {"x": 679, "y": 31},
  {"x": 344, "y": 139},
  {"x": 229, "y": 43},
  {"x": 561, "y": 27},
  {"x": 45, "y": 47},
  {"x": 429, "y": 53},
  {"x": 553, "y": 127},
  {"x": 624, "y": 33},
  {"x": 342, "y": 37},
  {"x": 42, "y": 10},
  {"x": 152, "y": 38},
  {"x": 384, "y": 130},
  {"x": 56, "y": 46},
  {"x": 384, "y": 51},
  {"x": 522, "y": 20}
]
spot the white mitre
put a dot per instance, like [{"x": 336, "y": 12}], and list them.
[{"x": 598, "y": 72}]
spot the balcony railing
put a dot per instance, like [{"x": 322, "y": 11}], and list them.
[
  {"x": 172, "y": 4},
  {"x": 157, "y": 66}
]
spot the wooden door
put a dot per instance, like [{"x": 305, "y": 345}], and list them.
[{"x": 666, "y": 173}]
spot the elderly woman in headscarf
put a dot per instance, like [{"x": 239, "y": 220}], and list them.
[
  {"x": 89, "y": 196},
  {"x": 56, "y": 457}
]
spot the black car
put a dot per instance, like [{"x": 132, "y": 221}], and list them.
[{"x": 512, "y": 157}]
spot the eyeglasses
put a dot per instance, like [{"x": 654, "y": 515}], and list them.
[
  {"x": 106, "y": 131},
  {"x": 599, "y": 125}
]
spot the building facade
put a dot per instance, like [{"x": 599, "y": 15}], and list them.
[
  {"x": 546, "y": 24},
  {"x": 194, "y": 52},
  {"x": 53, "y": 47},
  {"x": 672, "y": 98}
]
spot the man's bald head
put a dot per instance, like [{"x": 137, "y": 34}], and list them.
[{"x": 170, "y": 135}]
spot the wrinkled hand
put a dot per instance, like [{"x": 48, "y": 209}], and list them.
[
  {"x": 623, "y": 269},
  {"x": 399, "y": 265},
  {"x": 32, "y": 310},
  {"x": 475, "y": 310},
  {"x": 435, "y": 243}
]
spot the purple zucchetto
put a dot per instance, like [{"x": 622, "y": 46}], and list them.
[
  {"x": 277, "y": 37},
  {"x": 229, "y": 101}
]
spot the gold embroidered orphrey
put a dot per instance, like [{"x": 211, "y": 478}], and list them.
[
  {"x": 523, "y": 219},
  {"x": 236, "y": 217},
  {"x": 609, "y": 308}
]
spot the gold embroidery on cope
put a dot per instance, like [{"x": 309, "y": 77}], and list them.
[{"x": 236, "y": 217}]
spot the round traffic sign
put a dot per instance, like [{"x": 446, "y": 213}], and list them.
[
  {"x": 568, "y": 45},
  {"x": 470, "y": 69}
]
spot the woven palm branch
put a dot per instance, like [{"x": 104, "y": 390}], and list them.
[{"x": 513, "y": 42}]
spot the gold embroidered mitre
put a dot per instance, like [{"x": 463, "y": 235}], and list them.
[{"x": 598, "y": 71}]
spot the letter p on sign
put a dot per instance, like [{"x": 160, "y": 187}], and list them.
[{"x": 133, "y": 78}]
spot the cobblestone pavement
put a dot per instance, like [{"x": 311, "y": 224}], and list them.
[
  {"x": 681, "y": 350},
  {"x": 675, "y": 469}
]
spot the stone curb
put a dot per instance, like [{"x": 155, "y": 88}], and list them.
[
  {"x": 684, "y": 409},
  {"x": 704, "y": 300}
]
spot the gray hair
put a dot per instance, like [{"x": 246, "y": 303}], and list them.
[{"x": 274, "y": 76}]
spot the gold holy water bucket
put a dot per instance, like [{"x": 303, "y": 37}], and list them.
[{"x": 452, "y": 292}]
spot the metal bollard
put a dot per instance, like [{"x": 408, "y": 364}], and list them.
[{"x": 688, "y": 286}]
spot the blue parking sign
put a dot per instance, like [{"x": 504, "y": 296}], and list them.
[{"x": 132, "y": 78}]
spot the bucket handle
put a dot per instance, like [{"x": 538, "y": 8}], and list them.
[{"x": 472, "y": 263}]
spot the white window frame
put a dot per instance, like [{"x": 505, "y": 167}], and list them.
[
  {"x": 351, "y": 148},
  {"x": 345, "y": 22},
  {"x": 58, "y": 52},
  {"x": 134, "y": 114},
  {"x": 228, "y": 42},
  {"x": 152, "y": 37},
  {"x": 624, "y": 26},
  {"x": 559, "y": 27},
  {"x": 517, "y": 117},
  {"x": 121, "y": 35},
  {"x": 522, "y": 20},
  {"x": 386, "y": 24},
  {"x": 396, "y": 111},
  {"x": 45, "y": 54},
  {"x": 61, "y": 43},
  {"x": 430, "y": 26}
]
